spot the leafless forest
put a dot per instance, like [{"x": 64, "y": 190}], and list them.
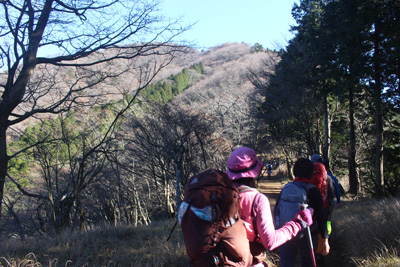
[{"x": 137, "y": 175}]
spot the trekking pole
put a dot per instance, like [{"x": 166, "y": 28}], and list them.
[{"x": 310, "y": 243}]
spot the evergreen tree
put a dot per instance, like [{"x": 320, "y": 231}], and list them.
[
  {"x": 257, "y": 48},
  {"x": 181, "y": 82},
  {"x": 199, "y": 67}
]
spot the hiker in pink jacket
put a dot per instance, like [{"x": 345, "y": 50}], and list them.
[{"x": 243, "y": 168}]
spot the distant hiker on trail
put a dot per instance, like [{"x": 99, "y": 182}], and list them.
[
  {"x": 303, "y": 171},
  {"x": 269, "y": 171},
  {"x": 243, "y": 169}
]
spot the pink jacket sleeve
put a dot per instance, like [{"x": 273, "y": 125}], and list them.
[{"x": 271, "y": 237}]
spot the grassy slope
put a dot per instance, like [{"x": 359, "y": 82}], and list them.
[
  {"x": 107, "y": 246},
  {"x": 365, "y": 233}
]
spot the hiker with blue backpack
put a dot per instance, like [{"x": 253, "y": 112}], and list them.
[
  {"x": 293, "y": 196},
  {"x": 243, "y": 169}
]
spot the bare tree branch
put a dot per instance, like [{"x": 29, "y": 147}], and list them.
[
  {"x": 22, "y": 190},
  {"x": 95, "y": 42}
]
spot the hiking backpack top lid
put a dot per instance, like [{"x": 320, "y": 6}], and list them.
[
  {"x": 212, "y": 196},
  {"x": 292, "y": 196}
]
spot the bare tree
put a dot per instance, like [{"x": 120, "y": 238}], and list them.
[
  {"x": 168, "y": 146},
  {"x": 92, "y": 39}
]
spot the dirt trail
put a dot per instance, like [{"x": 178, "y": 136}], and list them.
[{"x": 271, "y": 187}]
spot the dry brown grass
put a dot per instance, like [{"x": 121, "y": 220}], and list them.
[
  {"x": 107, "y": 246},
  {"x": 365, "y": 233}
]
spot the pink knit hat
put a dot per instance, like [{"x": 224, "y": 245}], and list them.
[{"x": 243, "y": 163}]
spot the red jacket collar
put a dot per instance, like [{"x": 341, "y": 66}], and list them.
[{"x": 304, "y": 180}]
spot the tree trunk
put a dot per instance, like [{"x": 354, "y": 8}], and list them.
[
  {"x": 353, "y": 182},
  {"x": 14, "y": 93},
  {"x": 61, "y": 214},
  {"x": 177, "y": 185},
  {"x": 3, "y": 163},
  {"x": 379, "y": 176},
  {"x": 289, "y": 166},
  {"x": 377, "y": 74},
  {"x": 327, "y": 142}
]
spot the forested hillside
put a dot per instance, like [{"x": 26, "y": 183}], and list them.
[
  {"x": 226, "y": 93},
  {"x": 187, "y": 119}
]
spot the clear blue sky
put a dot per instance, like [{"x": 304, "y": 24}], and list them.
[{"x": 266, "y": 22}]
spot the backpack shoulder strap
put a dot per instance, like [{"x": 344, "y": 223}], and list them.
[
  {"x": 276, "y": 209},
  {"x": 253, "y": 217}
]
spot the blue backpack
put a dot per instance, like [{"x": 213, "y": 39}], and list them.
[{"x": 292, "y": 196}]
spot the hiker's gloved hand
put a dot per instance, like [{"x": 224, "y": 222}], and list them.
[
  {"x": 305, "y": 216},
  {"x": 329, "y": 227}
]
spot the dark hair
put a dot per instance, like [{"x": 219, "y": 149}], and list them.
[
  {"x": 303, "y": 168},
  {"x": 246, "y": 181}
]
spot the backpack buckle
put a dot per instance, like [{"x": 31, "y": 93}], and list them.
[{"x": 216, "y": 260}]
